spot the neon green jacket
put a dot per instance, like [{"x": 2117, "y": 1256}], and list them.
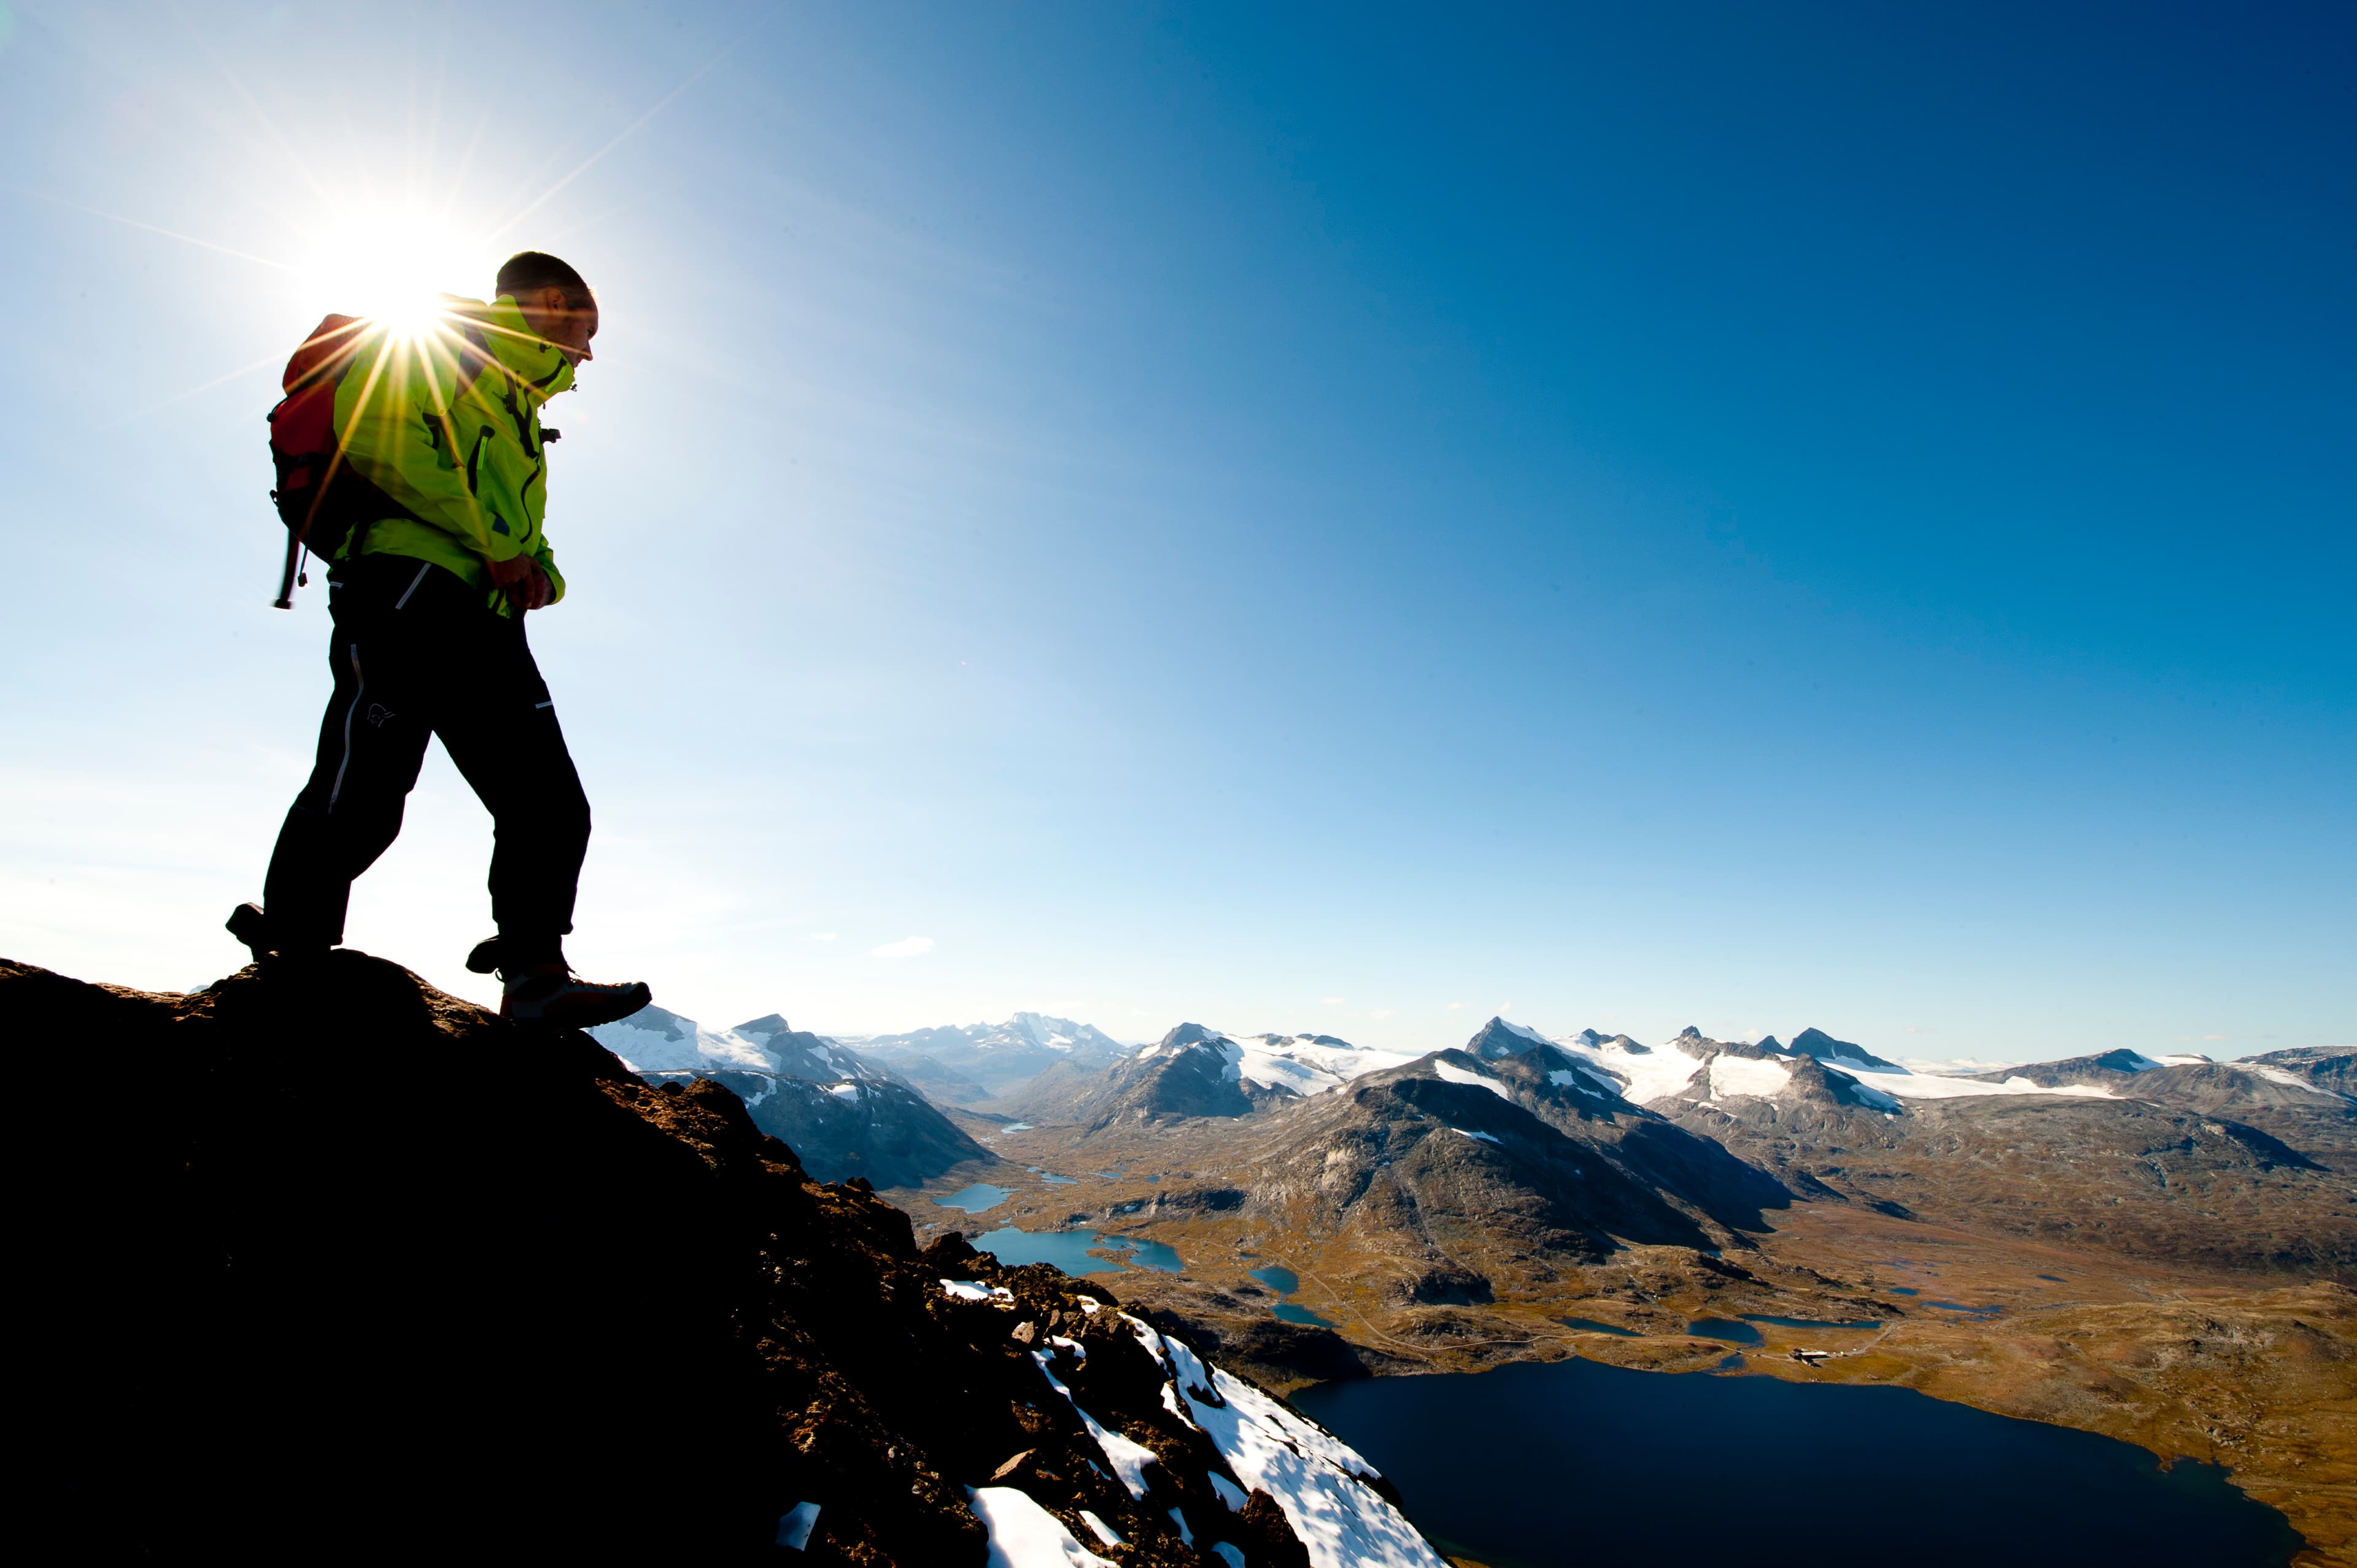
[{"x": 447, "y": 424}]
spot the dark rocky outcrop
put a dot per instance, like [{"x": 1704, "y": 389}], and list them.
[
  {"x": 1824, "y": 1047},
  {"x": 347, "y": 1304}
]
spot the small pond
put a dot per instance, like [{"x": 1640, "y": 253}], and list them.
[
  {"x": 1580, "y": 1464},
  {"x": 1288, "y": 1313},
  {"x": 975, "y": 1199},
  {"x": 1589, "y": 1326},
  {"x": 1284, "y": 1282},
  {"x": 1724, "y": 1328},
  {"x": 1070, "y": 1250}
]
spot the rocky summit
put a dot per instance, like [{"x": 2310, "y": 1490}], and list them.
[{"x": 365, "y": 1273}]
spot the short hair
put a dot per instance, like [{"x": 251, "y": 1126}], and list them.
[{"x": 529, "y": 270}]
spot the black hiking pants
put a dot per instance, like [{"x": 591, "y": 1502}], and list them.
[{"x": 417, "y": 654}]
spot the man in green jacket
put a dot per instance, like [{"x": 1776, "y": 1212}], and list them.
[{"x": 429, "y": 602}]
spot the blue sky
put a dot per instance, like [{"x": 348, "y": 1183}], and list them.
[{"x": 1351, "y": 518}]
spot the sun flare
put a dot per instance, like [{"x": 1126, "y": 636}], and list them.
[{"x": 393, "y": 267}]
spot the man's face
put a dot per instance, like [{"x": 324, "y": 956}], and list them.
[{"x": 566, "y": 325}]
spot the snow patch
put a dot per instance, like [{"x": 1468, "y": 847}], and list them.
[
  {"x": 1024, "y": 1535},
  {"x": 1230, "y": 1493},
  {"x": 1746, "y": 1076},
  {"x": 1931, "y": 1086},
  {"x": 794, "y": 1525},
  {"x": 2289, "y": 1080},
  {"x": 1452, "y": 1073},
  {"x": 967, "y": 1290},
  {"x": 1483, "y": 1137},
  {"x": 1129, "y": 1458},
  {"x": 1228, "y": 1553},
  {"x": 1101, "y": 1530}
]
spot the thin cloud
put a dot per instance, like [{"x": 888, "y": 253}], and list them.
[
  {"x": 1329, "y": 1002},
  {"x": 821, "y": 935},
  {"x": 1458, "y": 1007},
  {"x": 1383, "y": 1013},
  {"x": 906, "y": 947}
]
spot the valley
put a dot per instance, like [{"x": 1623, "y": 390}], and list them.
[
  {"x": 2156, "y": 1250},
  {"x": 2151, "y": 1271}
]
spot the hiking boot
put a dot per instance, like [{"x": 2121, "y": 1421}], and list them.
[
  {"x": 561, "y": 997},
  {"x": 249, "y": 925}
]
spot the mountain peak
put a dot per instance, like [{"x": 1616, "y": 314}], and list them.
[
  {"x": 766, "y": 1028},
  {"x": 1189, "y": 1035},
  {"x": 1499, "y": 1038},
  {"x": 1816, "y": 1043}
]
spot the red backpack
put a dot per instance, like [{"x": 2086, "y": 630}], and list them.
[{"x": 320, "y": 498}]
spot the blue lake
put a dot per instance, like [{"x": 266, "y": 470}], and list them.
[
  {"x": 975, "y": 1199},
  {"x": 1284, "y": 1282},
  {"x": 1580, "y": 1464},
  {"x": 1288, "y": 1313},
  {"x": 1069, "y": 1251},
  {"x": 1811, "y": 1322}
]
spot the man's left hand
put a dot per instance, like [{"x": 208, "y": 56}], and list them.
[{"x": 527, "y": 587}]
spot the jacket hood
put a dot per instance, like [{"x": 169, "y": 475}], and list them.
[{"x": 540, "y": 368}]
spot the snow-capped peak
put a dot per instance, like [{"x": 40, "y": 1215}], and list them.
[{"x": 1284, "y": 1064}]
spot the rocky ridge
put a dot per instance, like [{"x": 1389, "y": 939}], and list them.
[{"x": 514, "y": 1301}]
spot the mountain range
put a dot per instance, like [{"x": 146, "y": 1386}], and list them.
[{"x": 843, "y": 1115}]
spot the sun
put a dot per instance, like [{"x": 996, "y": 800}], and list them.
[{"x": 391, "y": 265}]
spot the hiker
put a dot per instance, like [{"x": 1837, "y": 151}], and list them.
[{"x": 431, "y": 573}]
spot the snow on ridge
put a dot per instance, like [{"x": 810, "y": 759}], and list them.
[
  {"x": 1288, "y": 1063},
  {"x": 1314, "y": 1476},
  {"x": 1024, "y": 1535},
  {"x": 1908, "y": 1085},
  {"x": 2289, "y": 1080},
  {"x": 648, "y": 1045},
  {"x": 1127, "y": 1456},
  {"x": 1452, "y": 1073},
  {"x": 1650, "y": 1075}
]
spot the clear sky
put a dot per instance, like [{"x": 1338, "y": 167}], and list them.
[{"x": 1345, "y": 518}]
